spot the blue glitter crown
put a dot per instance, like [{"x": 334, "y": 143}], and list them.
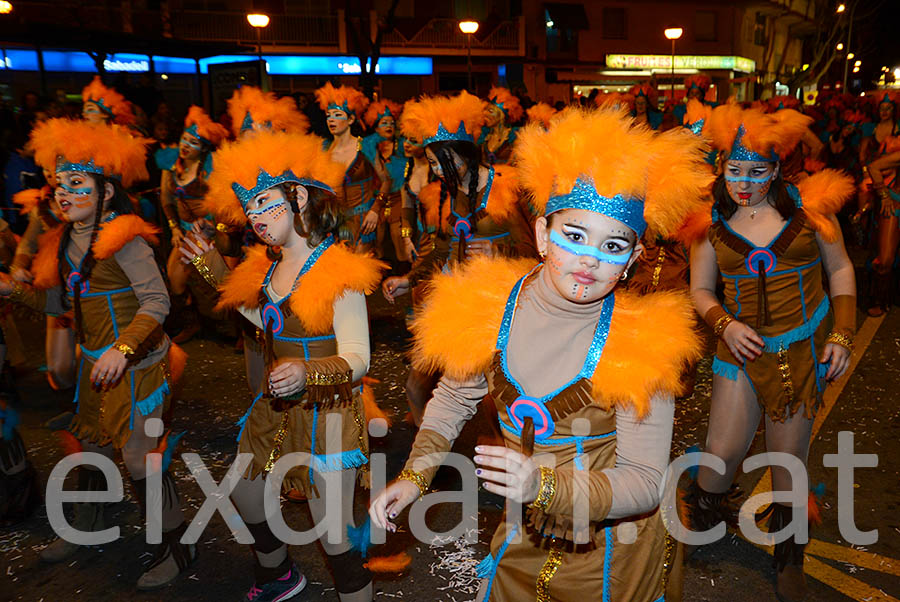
[
  {"x": 99, "y": 102},
  {"x": 248, "y": 123},
  {"x": 584, "y": 195},
  {"x": 739, "y": 152},
  {"x": 443, "y": 134},
  {"x": 193, "y": 131},
  {"x": 696, "y": 127},
  {"x": 344, "y": 107},
  {"x": 264, "y": 181},
  {"x": 84, "y": 167}
]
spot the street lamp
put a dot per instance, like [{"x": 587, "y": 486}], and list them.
[
  {"x": 850, "y": 56},
  {"x": 840, "y": 46},
  {"x": 5, "y": 7},
  {"x": 468, "y": 27},
  {"x": 258, "y": 21},
  {"x": 673, "y": 33},
  {"x": 840, "y": 9}
]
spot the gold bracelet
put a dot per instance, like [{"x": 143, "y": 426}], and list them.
[
  {"x": 405, "y": 232},
  {"x": 415, "y": 477},
  {"x": 17, "y": 293},
  {"x": 124, "y": 349},
  {"x": 173, "y": 225},
  {"x": 547, "y": 490},
  {"x": 203, "y": 269},
  {"x": 722, "y": 323},
  {"x": 320, "y": 379},
  {"x": 839, "y": 338},
  {"x": 221, "y": 227}
]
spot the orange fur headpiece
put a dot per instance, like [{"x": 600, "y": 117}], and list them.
[
  {"x": 881, "y": 96},
  {"x": 696, "y": 115},
  {"x": 200, "y": 125},
  {"x": 252, "y": 109},
  {"x": 697, "y": 80},
  {"x": 255, "y": 163},
  {"x": 645, "y": 90},
  {"x": 109, "y": 101},
  {"x": 640, "y": 178},
  {"x": 616, "y": 100},
  {"x": 379, "y": 109},
  {"x": 108, "y": 150},
  {"x": 752, "y": 135},
  {"x": 346, "y": 98},
  {"x": 777, "y": 103},
  {"x": 542, "y": 113},
  {"x": 435, "y": 118},
  {"x": 508, "y": 103}
]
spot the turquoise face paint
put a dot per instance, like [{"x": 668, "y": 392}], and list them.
[
  {"x": 191, "y": 144},
  {"x": 577, "y": 249},
  {"x": 761, "y": 180},
  {"x": 267, "y": 208},
  {"x": 81, "y": 191}
]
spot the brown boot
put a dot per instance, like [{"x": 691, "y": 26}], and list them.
[
  {"x": 701, "y": 510},
  {"x": 171, "y": 559},
  {"x": 88, "y": 517},
  {"x": 790, "y": 581}
]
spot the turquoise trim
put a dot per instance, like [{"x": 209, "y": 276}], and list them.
[
  {"x": 559, "y": 440},
  {"x": 95, "y": 355},
  {"x": 607, "y": 563},
  {"x": 726, "y": 369},
  {"x": 496, "y": 563},
  {"x": 242, "y": 421},
  {"x": 484, "y": 568},
  {"x": 154, "y": 400},
  {"x": 800, "y": 333},
  {"x": 340, "y": 461}
]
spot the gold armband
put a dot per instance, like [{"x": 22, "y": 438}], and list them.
[
  {"x": 839, "y": 338},
  {"x": 721, "y": 324},
  {"x": 17, "y": 293},
  {"x": 406, "y": 232},
  {"x": 124, "y": 349},
  {"x": 173, "y": 225},
  {"x": 200, "y": 264},
  {"x": 328, "y": 380},
  {"x": 415, "y": 477},
  {"x": 547, "y": 490},
  {"x": 221, "y": 227}
]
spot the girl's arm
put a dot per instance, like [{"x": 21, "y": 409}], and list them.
[{"x": 137, "y": 261}]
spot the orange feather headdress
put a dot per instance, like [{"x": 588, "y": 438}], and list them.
[
  {"x": 508, "y": 103},
  {"x": 698, "y": 80},
  {"x": 435, "y": 118},
  {"x": 200, "y": 125},
  {"x": 255, "y": 163},
  {"x": 644, "y": 180},
  {"x": 883, "y": 96},
  {"x": 616, "y": 100},
  {"x": 109, "y": 101},
  {"x": 777, "y": 103},
  {"x": 252, "y": 109},
  {"x": 346, "y": 98},
  {"x": 752, "y": 135},
  {"x": 542, "y": 113},
  {"x": 645, "y": 90},
  {"x": 379, "y": 109},
  {"x": 696, "y": 114},
  {"x": 107, "y": 150}
]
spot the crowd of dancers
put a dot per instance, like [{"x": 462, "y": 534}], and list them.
[{"x": 560, "y": 262}]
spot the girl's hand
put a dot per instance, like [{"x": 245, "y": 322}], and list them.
[
  {"x": 518, "y": 478},
  {"x": 839, "y": 356},
  {"x": 194, "y": 246},
  {"x": 369, "y": 223},
  {"x": 480, "y": 247},
  {"x": 6, "y": 286},
  {"x": 391, "y": 502},
  {"x": 22, "y": 275},
  {"x": 287, "y": 378},
  {"x": 177, "y": 237},
  {"x": 743, "y": 342},
  {"x": 394, "y": 287},
  {"x": 887, "y": 204},
  {"x": 109, "y": 368},
  {"x": 410, "y": 248}
]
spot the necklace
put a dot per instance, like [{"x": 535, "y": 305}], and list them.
[{"x": 753, "y": 214}]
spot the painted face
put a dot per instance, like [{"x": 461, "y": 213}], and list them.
[
  {"x": 749, "y": 181},
  {"x": 385, "y": 127},
  {"x": 493, "y": 115},
  {"x": 270, "y": 214},
  {"x": 886, "y": 111},
  {"x": 695, "y": 93},
  {"x": 190, "y": 147},
  {"x": 92, "y": 112},
  {"x": 585, "y": 253},
  {"x": 640, "y": 105},
  {"x": 338, "y": 121},
  {"x": 413, "y": 148},
  {"x": 436, "y": 168},
  {"x": 76, "y": 195}
]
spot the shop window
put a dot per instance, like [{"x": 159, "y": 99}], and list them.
[
  {"x": 705, "y": 26},
  {"x": 614, "y": 23}
]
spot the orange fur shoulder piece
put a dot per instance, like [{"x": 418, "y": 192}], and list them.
[
  {"x": 504, "y": 194},
  {"x": 430, "y": 197},
  {"x": 456, "y": 330},
  {"x": 45, "y": 266},
  {"x": 241, "y": 286},
  {"x": 651, "y": 339},
  {"x": 695, "y": 226},
  {"x": 28, "y": 199},
  {"x": 337, "y": 271},
  {"x": 114, "y": 235},
  {"x": 823, "y": 194}
]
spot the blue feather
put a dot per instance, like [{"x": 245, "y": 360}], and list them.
[
  {"x": 819, "y": 490},
  {"x": 10, "y": 420},
  {"x": 171, "y": 444},
  {"x": 360, "y": 537},
  {"x": 694, "y": 469}
]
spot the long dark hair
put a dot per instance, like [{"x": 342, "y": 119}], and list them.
[
  {"x": 450, "y": 183},
  {"x": 778, "y": 197},
  {"x": 320, "y": 216}
]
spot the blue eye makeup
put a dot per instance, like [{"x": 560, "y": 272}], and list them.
[
  {"x": 267, "y": 207},
  {"x": 81, "y": 191},
  {"x": 580, "y": 249}
]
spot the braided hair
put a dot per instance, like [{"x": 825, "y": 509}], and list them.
[
  {"x": 450, "y": 183},
  {"x": 319, "y": 218}
]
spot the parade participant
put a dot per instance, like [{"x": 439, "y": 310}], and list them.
[
  {"x": 695, "y": 88},
  {"x": 473, "y": 209},
  {"x": 105, "y": 105},
  {"x": 644, "y": 105},
  {"x": 842, "y": 146},
  {"x": 582, "y": 375},
  {"x": 365, "y": 184},
  {"x": 542, "y": 113},
  {"x": 415, "y": 235},
  {"x": 887, "y": 188},
  {"x": 773, "y": 244},
  {"x": 498, "y": 135},
  {"x": 100, "y": 264},
  {"x": 877, "y": 138},
  {"x": 182, "y": 191},
  {"x": 382, "y": 146},
  {"x": 305, "y": 290}
]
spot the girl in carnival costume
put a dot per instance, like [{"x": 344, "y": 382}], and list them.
[
  {"x": 473, "y": 209},
  {"x": 643, "y": 105},
  {"x": 382, "y": 146},
  {"x": 695, "y": 88},
  {"x": 101, "y": 265},
  {"x": 582, "y": 375},
  {"x": 105, "y": 105},
  {"x": 306, "y": 292},
  {"x": 366, "y": 184},
  {"x": 498, "y": 135},
  {"x": 878, "y": 141},
  {"x": 182, "y": 191},
  {"x": 781, "y": 340},
  {"x": 417, "y": 174}
]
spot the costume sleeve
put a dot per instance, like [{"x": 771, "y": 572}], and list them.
[
  {"x": 384, "y": 187},
  {"x": 431, "y": 261},
  {"x": 42, "y": 301},
  {"x": 211, "y": 267},
  {"x": 632, "y": 486},
  {"x": 28, "y": 244},
  {"x": 452, "y": 404},
  {"x": 137, "y": 261},
  {"x": 407, "y": 211},
  {"x": 167, "y": 196}
]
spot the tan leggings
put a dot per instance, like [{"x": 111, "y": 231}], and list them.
[{"x": 60, "y": 350}]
